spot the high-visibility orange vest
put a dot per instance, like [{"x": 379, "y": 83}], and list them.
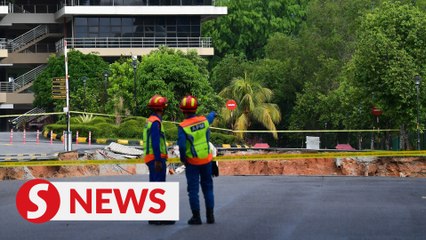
[{"x": 198, "y": 150}]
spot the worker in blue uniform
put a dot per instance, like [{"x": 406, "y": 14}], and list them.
[
  {"x": 195, "y": 153},
  {"x": 155, "y": 145}
]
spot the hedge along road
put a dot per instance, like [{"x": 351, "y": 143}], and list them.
[{"x": 31, "y": 147}]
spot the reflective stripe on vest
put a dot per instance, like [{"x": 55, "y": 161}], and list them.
[
  {"x": 149, "y": 151},
  {"x": 197, "y": 146}
]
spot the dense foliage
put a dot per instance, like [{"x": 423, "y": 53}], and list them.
[{"x": 326, "y": 63}]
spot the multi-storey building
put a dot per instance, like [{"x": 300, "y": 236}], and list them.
[{"x": 30, "y": 31}]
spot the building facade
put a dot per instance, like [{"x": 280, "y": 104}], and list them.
[{"x": 30, "y": 31}]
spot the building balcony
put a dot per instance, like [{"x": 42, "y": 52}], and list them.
[
  {"x": 138, "y": 2},
  {"x": 127, "y": 46},
  {"x": 54, "y": 7}
]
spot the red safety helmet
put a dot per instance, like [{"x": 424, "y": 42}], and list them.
[
  {"x": 189, "y": 104},
  {"x": 157, "y": 102}
]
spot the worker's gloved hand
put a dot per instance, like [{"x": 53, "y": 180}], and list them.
[
  {"x": 215, "y": 169},
  {"x": 158, "y": 166}
]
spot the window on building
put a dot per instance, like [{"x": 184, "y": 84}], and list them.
[{"x": 143, "y": 26}]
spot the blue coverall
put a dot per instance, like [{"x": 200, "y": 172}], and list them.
[
  {"x": 155, "y": 143},
  {"x": 196, "y": 172}
]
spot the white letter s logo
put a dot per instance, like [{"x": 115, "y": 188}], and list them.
[{"x": 37, "y": 200}]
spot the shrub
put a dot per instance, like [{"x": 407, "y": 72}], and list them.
[
  {"x": 56, "y": 128},
  {"x": 141, "y": 120},
  {"x": 171, "y": 134},
  {"x": 169, "y": 125},
  {"x": 220, "y": 138},
  {"x": 97, "y": 120},
  {"x": 83, "y": 129},
  {"x": 106, "y": 130},
  {"x": 131, "y": 129}
]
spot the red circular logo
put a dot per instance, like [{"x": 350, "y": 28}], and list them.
[
  {"x": 231, "y": 105},
  {"x": 38, "y": 201}
]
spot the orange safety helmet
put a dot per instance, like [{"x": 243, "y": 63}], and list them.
[
  {"x": 157, "y": 102},
  {"x": 189, "y": 104}
]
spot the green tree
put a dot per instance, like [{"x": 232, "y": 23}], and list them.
[
  {"x": 253, "y": 105},
  {"x": 122, "y": 84},
  {"x": 175, "y": 74},
  {"x": 228, "y": 68},
  {"x": 249, "y": 23},
  {"x": 79, "y": 65},
  {"x": 392, "y": 50},
  {"x": 281, "y": 78},
  {"x": 324, "y": 46}
]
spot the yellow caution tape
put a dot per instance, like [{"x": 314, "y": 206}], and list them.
[
  {"x": 253, "y": 157},
  {"x": 317, "y": 131},
  {"x": 69, "y": 162},
  {"x": 224, "y": 129},
  {"x": 31, "y": 114},
  {"x": 95, "y": 114}
]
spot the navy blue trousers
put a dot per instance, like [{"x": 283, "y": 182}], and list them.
[
  {"x": 157, "y": 176},
  {"x": 197, "y": 175}
]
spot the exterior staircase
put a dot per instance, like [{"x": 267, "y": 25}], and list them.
[
  {"x": 26, "y": 80},
  {"x": 30, "y": 38},
  {"x": 28, "y": 117},
  {"x": 22, "y": 82}
]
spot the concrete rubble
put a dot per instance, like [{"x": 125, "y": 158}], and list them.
[{"x": 113, "y": 151}]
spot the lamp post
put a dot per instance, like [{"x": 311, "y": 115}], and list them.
[
  {"x": 84, "y": 78},
  {"x": 376, "y": 112},
  {"x": 135, "y": 65},
  {"x": 106, "y": 73},
  {"x": 418, "y": 80}
]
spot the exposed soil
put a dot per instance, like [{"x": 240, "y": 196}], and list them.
[
  {"x": 383, "y": 166},
  {"x": 386, "y": 166}
]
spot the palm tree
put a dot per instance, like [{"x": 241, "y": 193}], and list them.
[{"x": 253, "y": 104}]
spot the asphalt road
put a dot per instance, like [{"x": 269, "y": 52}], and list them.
[
  {"x": 32, "y": 147},
  {"x": 258, "y": 207}
]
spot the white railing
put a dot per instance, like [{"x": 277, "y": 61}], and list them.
[
  {"x": 3, "y": 43},
  {"x": 7, "y": 87},
  {"x": 34, "y": 8},
  {"x": 27, "y": 117},
  {"x": 139, "y": 3},
  {"x": 27, "y": 37},
  {"x": 136, "y": 42},
  {"x": 22, "y": 80},
  {"x": 27, "y": 77}
]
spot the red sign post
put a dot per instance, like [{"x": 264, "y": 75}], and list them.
[
  {"x": 231, "y": 105},
  {"x": 376, "y": 112}
]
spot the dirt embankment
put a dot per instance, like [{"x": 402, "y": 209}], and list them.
[
  {"x": 68, "y": 171},
  {"x": 384, "y": 166}
]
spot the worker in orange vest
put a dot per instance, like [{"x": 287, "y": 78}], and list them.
[
  {"x": 195, "y": 153},
  {"x": 154, "y": 140}
]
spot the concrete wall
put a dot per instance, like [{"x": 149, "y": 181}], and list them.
[
  {"x": 141, "y": 10},
  {"x": 26, "y": 58},
  {"x": 17, "y": 98},
  {"x": 30, "y": 18}
]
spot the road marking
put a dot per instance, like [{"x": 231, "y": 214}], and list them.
[{"x": 424, "y": 197}]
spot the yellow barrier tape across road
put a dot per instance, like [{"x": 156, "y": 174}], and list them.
[
  {"x": 31, "y": 114},
  {"x": 253, "y": 157},
  {"x": 223, "y": 129},
  {"x": 317, "y": 131}
]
